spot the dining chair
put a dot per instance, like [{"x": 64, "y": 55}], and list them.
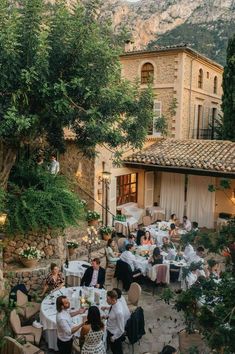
[
  {"x": 72, "y": 280},
  {"x": 147, "y": 220},
  {"x": 25, "y": 308},
  {"x": 10, "y": 346},
  {"x": 30, "y": 333},
  {"x": 133, "y": 296},
  {"x": 160, "y": 274}
]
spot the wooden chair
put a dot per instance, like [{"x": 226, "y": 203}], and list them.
[
  {"x": 26, "y": 308},
  {"x": 133, "y": 296},
  {"x": 30, "y": 333},
  {"x": 10, "y": 346}
]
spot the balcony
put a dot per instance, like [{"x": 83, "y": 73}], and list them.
[{"x": 204, "y": 134}]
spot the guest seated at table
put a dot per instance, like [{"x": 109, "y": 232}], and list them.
[
  {"x": 188, "y": 251},
  {"x": 129, "y": 241},
  {"x": 65, "y": 326},
  {"x": 147, "y": 239},
  {"x": 139, "y": 234},
  {"x": 173, "y": 231},
  {"x": 156, "y": 257},
  {"x": 54, "y": 279},
  {"x": 129, "y": 258},
  {"x": 167, "y": 244},
  {"x": 91, "y": 338},
  {"x": 195, "y": 228},
  {"x": 94, "y": 275},
  {"x": 187, "y": 225},
  {"x": 112, "y": 256},
  {"x": 197, "y": 256},
  {"x": 213, "y": 270},
  {"x": 173, "y": 219}
]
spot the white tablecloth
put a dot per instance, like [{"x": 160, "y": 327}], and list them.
[
  {"x": 121, "y": 226},
  {"x": 152, "y": 271},
  {"x": 142, "y": 264},
  {"x": 75, "y": 268},
  {"x": 48, "y": 311},
  {"x": 156, "y": 213},
  {"x": 157, "y": 234}
]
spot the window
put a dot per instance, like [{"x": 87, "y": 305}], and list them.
[
  {"x": 200, "y": 79},
  {"x": 127, "y": 188},
  {"x": 157, "y": 112},
  {"x": 207, "y": 75},
  {"x": 147, "y": 73},
  {"x": 215, "y": 84}
]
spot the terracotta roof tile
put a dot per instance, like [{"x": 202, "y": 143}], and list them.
[{"x": 208, "y": 155}]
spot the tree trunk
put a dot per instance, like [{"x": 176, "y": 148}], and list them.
[{"x": 7, "y": 161}]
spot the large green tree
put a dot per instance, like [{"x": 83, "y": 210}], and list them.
[
  {"x": 60, "y": 67},
  {"x": 228, "y": 100}
]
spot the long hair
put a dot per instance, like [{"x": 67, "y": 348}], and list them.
[
  {"x": 157, "y": 253},
  {"x": 94, "y": 319}
]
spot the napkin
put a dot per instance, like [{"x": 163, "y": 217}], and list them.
[{"x": 37, "y": 324}]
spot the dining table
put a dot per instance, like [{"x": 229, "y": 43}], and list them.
[
  {"x": 75, "y": 270},
  {"x": 79, "y": 297}
]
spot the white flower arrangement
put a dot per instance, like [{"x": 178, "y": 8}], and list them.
[
  {"x": 31, "y": 253},
  {"x": 164, "y": 228},
  {"x": 72, "y": 244}
]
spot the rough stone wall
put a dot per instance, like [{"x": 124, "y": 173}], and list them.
[
  {"x": 52, "y": 246},
  {"x": 80, "y": 170}
]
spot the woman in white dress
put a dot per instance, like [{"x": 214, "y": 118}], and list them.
[{"x": 92, "y": 333}]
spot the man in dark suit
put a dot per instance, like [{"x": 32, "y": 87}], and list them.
[{"x": 94, "y": 275}]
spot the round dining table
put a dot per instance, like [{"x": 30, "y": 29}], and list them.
[{"x": 76, "y": 295}]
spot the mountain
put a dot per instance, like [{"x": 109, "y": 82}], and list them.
[{"x": 205, "y": 25}]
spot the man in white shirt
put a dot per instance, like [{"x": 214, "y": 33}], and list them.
[
  {"x": 187, "y": 225},
  {"x": 54, "y": 166},
  {"x": 196, "y": 257},
  {"x": 115, "y": 323},
  {"x": 125, "y": 309},
  {"x": 188, "y": 251},
  {"x": 128, "y": 257},
  {"x": 65, "y": 327}
]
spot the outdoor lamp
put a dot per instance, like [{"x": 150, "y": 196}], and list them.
[
  {"x": 106, "y": 176},
  {"x": 3, "y": 218}
]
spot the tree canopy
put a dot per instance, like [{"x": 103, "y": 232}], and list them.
[
  {"x": 228, "y": 99},
  {"x": 60, "y": 67}
]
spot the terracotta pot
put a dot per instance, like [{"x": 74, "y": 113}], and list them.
[
  {"x": 106, "y": 237},
  {"x": 29, "y": 263},
  {"x": 93, "y": 222},
  {"x": 72, "y": 251},
  {"x": 186, "y": 341}
]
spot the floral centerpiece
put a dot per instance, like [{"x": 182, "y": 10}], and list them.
[
  {"x": 164, "y": 227},
  {"x": 92, "y": 217},
  {"x": 30, "y": 256},
  {"x": 106, "y": 232}
]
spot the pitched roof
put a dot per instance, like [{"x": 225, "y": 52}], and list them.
[{"x": 215, "y": 156}]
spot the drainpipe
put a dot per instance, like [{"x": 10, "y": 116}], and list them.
[{"x": 190, "y": 97}]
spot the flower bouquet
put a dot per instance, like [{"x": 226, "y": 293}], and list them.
[{"x": 30, "y": 256}]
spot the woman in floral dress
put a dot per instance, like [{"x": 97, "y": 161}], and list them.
[{"x": 91, "y": 338}]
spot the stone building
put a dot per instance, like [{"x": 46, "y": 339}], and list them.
[{"x": 180, "y": 75}]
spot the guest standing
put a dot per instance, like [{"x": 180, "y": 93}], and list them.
[
  {"x": 115, "y": 323},
  {"x": 91, "y": 339},
  {"x": 125, "y": 309}
]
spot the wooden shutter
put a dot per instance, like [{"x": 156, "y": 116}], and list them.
[{"x": 149, "y": 189}]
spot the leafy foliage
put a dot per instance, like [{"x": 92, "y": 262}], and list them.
[
  {"x": 59, "y": 67},
  {"x": 228, "y": 99},
  {"x": 37, "y": 200}
]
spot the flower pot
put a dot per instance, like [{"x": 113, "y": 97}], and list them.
[
  {"x": 72, "y": 251},
  {"x": 29, "y": 263},
  {"x": 106, "y": 237},
  {"x": 93, "y": 222}
]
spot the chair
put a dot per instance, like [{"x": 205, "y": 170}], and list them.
[
  {"x": 30, "y": 333},
  {"x": 123, "y": 272},
  {"x": 147, "y": 220},
  {"x": 160, "y": 274},
  {"x": 120, "y": 243},
  {"x": 133, "y": 296},
  {"x": 26, "y": 308},
  {"x": 11, "y": 346},
  {"x": 72, "y": 280}
]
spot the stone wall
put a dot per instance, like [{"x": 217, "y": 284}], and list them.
[{"x": 52, "y": 246}]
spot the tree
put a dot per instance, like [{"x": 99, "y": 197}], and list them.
[
  {"x": 228, "y": 99},
  {"x": 60, "y": 67}
]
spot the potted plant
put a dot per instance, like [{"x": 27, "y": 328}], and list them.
[
  {"x": 72, "y": 246},
  {"x": 106, "y": 232},
  {"x": 30, "y": 256},
  {"x": 92, "y": 217}
]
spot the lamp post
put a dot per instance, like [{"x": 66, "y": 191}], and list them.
[{"x": 106, "y": 181}]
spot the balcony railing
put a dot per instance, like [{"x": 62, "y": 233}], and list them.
[{"x": 205, "y": 134}]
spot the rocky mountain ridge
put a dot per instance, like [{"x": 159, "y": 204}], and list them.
[{"x": 203, "y": 24}]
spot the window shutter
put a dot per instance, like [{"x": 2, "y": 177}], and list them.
[
  {"x": 157, "y": 112},
  {"x": 149, "y": 189}
]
